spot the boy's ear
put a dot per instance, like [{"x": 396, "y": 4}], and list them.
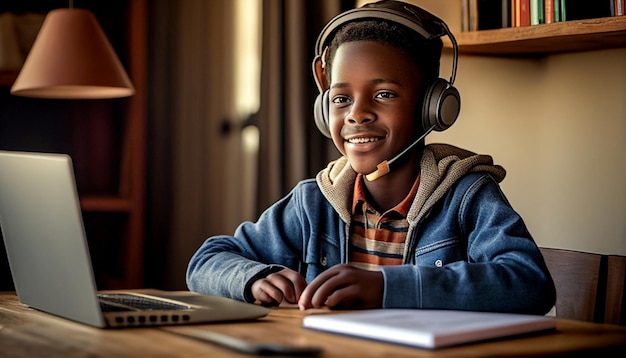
[{"x": 319, "y": 74}]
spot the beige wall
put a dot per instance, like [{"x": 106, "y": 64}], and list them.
[{"x": 558, "y": 125}]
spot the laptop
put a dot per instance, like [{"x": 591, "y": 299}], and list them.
[{"x": 48, "y": 254}]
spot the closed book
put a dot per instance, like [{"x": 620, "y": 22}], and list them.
[
  {"x": 506, "y": 13},
  {"x": 465, "y": 16},
  {"x": 617, "y": 7},
  {"x": 472, "y": 11},
  {"x": 548, "y": 13},
  {"x": 536, "y": 12},
  {"x": 524, "y": 13},
  {"x": 427, "y": 328},
  {"x": 558, "y": 10}
]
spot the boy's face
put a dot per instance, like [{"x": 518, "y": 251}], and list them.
[{"x": 373, "y": 98}]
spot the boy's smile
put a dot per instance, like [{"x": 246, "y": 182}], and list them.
[{"x": 374, "y": 101}]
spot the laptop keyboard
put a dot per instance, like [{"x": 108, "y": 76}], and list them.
[{"x": 120, "y": 302}]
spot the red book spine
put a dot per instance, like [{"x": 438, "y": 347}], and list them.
[{"x": 524, "y": 13}]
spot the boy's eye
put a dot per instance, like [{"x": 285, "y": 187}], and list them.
[
  {"x": 341, "y": 100},
  {"x": 385, "y": 95}
]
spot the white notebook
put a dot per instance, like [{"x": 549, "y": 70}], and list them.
[{"x": 428, "y": 328}]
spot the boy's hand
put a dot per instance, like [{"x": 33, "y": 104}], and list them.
[
  {"x": 285, "y": 285},
  {"x": 344, "y": 286}
]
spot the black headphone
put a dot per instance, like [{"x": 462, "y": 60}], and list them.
[{"x": 442, "y": 102}]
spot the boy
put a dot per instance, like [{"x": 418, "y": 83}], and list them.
[{"x": 433, "y": 231}]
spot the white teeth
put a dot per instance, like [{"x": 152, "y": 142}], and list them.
[{"x": 362, "y": 140}]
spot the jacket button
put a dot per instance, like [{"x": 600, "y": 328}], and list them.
[
  {"x": 438, "y": 263},
  {"x": 323, "y": 261}
]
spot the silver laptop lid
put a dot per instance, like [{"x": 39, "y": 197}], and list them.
[{"x": 44, "y": 236}]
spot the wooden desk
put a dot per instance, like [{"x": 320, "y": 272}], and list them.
[{"x": 29, "y": 333}]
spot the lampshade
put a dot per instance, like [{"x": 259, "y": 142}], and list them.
[{"x": 72, "y": 58}]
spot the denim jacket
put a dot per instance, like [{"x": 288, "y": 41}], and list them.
[{"x": 466, "y": 247}]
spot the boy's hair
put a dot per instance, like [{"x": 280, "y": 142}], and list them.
[{"x": 425, "y": 53}]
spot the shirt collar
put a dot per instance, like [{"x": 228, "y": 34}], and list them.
[{"x": 358, "y": 197}]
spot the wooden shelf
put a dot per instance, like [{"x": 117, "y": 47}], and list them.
[{"x": 559, "y": 37}]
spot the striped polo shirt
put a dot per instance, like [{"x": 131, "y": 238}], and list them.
[{"x": 377, "y": 239}]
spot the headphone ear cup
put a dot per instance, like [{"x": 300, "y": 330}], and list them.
[
  {"x": 321, "y": 108},
  {"x": 442, "y": 104}
]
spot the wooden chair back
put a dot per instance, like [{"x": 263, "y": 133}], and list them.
[
  {"x": 589, "y": 287},
  {"x": 615, "y": 308}
]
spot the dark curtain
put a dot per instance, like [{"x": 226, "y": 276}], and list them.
[
  {"x": 193, "y": 185},
  {"x": 291, "y": 147}
]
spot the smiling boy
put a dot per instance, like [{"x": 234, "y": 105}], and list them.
[{"x": 435, "y": 231}]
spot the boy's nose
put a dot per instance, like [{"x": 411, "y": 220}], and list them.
[{"x": 360, "y": 114}]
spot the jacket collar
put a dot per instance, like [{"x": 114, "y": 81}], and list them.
[{"x": 441, "y": 165}]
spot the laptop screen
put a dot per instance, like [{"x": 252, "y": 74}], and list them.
[{"x": 44, "y": 236}]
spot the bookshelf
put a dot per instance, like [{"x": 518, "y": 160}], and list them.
[
  {"x": 106, "y": 139},
  {"x": 558, "y": 37}
]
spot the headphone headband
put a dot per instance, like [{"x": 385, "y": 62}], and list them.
[
  {"x": 415, "y": 18},
  {"x": 372, "y": 13}
]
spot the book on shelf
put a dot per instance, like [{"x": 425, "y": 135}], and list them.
[
  {"x": 537, "y": 12},
  {"x": 548, "y": 8},
  {"x": 495, "y": 14},
  {"x": 524, "y": 11},
  {"x": 619, "y": 7}
]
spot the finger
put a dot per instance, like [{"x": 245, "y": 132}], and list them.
[
  {"x": 315, "y": 294},
  {"x": 307, "y": 294},
  {"x": 347, "y": 296},
  {"x": 284, "y": 284},
  {"x": 294, "y": 286},
  {"x": 326, "y": 290},
  {"x": 266, "y": 293},
  {"x": 357, "y": 292},
  {"x": 299, "y": 284}
]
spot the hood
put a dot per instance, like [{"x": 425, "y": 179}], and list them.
[{"x": 442, "y": 165}]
